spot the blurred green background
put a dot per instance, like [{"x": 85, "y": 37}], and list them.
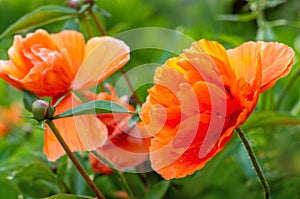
[{"x": 229, "y": 174}]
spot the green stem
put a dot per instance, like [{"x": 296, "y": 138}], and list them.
[
  {"x": 120, "y": 174},
  {"x": 98, "y": 24},
  {"x": 88, "y": 27},
  {"x": 130, "y": 86},
  {"x": 255, "y": 163},
  {"x": 288, "y": 86},
  {"x": 74, "y": 160}
]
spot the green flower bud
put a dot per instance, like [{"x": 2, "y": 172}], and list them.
[{"x": 42, "y": 110}]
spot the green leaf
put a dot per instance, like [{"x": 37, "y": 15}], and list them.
[
  {"x": 108, "y": 187},
  {"x": 28, "y": 99},
  {"x": 158, "y": 191},
  {"x": 41, "y": 16},
  {"x": 101, "y": 11},
  {"x": 270, "y": 119},
  {"x": 67, "y": 196},
  {"x": 136, "y": 184},
  {"x": 37, "y": 180},
  {"x": 8, "y": 189},
  {"x": 94, "y": 107}
]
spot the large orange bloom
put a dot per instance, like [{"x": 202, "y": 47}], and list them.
[
  {"x": 200, "y": 97},
  {"x": 127, "y": 146},
  {"x": 55, "y": 64}
]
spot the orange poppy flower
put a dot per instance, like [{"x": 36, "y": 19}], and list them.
[
  {"x": 55, "y": 64},
  {"x": 127, "y": 146},
  {"x": 200, "y": 97}
]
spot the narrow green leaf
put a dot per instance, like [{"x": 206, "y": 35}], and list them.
[
  {"x": 94, "y": 107},
  {"x": 270, "y": 119},
  {"x": 41, "y": 16},
  {"x": 101, "y": 11},
  {"x": 158, "y": 190},
  {"x": 67, "y": 196},
  {"x": 28, "y": 99}
]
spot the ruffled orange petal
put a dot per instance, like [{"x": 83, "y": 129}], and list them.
[
  {"x": 218, "y": 64},
  {"x": 74, "y": 44},
  {"x": 49, "y": 78},
  {"x": 23, "y": 54},
  {"x": 277, "y": 60},
  {"x": 83, "y": 132},
  {"x": 244, "y": 61},
  {"x": 42, "y": 63},
  {"x": 103, "y": 56}
]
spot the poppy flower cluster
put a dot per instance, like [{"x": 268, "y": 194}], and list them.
[
  {"x": 56, "y": 65},
  {"x": 197, "y": 100},
  {"x": 201, "y": 96}
]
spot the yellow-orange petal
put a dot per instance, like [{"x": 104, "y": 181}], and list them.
[
  {"x": 83, "y": 132},
  {"x": 103, "y": 56}
]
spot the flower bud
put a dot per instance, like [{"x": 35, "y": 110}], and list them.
[
  {"x": 75, "y": 4},
  {"x": 42, "y": 110}
]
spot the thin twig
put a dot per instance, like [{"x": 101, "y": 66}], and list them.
[{"x": 255, "y": 164}]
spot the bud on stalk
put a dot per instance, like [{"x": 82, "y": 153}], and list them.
[{"x": 42, "y": 110}]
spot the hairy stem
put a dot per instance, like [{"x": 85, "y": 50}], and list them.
[{"x": 255, "y": 163}]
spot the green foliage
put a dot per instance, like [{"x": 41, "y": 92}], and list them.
[
  {"x": 8, "y": 189},
  {"x": 37, "y": 180},
  {"x": 158, "y": 190},
  {"x": 273, "y": 131},
  {"x": 271, "y": 119},
  {"x": 41, "y": 16}
]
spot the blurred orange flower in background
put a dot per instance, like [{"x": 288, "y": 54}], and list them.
[
  {"x": 127, "y": 146},
  {"x": 9, "y": 116},
  {"x": 55, "y": 64},
  {"x": 200, "y": 97}
]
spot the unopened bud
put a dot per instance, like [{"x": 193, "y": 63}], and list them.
[
  {"x": 75, "y": 4},
  {"x": 42, "y": 110}
]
